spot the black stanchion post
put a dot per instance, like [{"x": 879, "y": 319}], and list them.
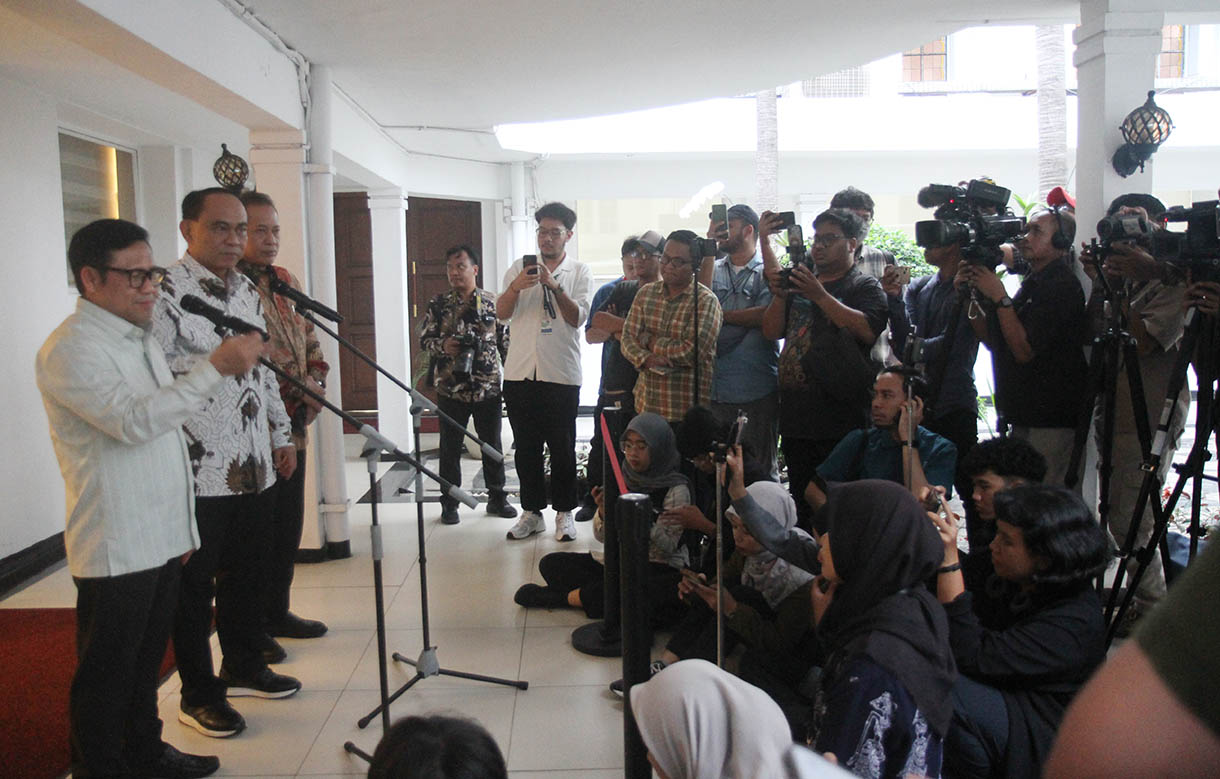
[{"x": 634, "y": 517}]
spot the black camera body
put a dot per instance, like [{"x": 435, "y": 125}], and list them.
[
  {"x": 1199, "y": 247},
  {"x": 976, "y": 217},
  {"x": 463, "y": 363},
  {"x": 1124, "y": 227}
]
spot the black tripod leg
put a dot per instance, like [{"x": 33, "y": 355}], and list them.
[{"x": 520, "y": 685}]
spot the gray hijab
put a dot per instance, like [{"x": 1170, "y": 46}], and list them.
[
  {"x": 663, "y": 456},
  {"x": 773, "y": 578},
  {"x": 701, "y": 722}
]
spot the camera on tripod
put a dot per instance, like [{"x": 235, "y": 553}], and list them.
[
  {"x": 797, "y": 255},
  {"x": 975, "y": 217},
  {"x": 1197, "y": 249},
  {"x": 463, "y": 363}
]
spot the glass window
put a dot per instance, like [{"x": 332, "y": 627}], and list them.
[
  {"x": 1169, "y": 63},
  {"x": 98, "y": 182},
  {"x": 927, "y": 63}
]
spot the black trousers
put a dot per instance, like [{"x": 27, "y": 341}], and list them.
[
  {"x": 122, "y": 629},
  {"x": 487, "y": 420},
  {"x": 961, "y": 428},
  {"x": 803, "y": 456},
  {"x": 977, "y": 743},
  {"x": 287, "y": 520},
  {"x": 233, "y": 534},
  {"x": 544, "y": 413},
  {"x": 597, "y": 449},
  {"x": 695, "y": 635},
  {"x": 567, "y": 571}
]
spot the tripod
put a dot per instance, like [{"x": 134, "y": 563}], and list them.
[{"x": 1199, "y": 338}]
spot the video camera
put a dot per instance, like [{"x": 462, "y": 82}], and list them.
[
  {"x": 975, "y": 217},
  {"x": 1199, "y": 247}
]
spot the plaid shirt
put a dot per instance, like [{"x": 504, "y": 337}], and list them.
[
  {"x": 450, "y": 316},
  {"x": 660, "y": 325},
  {"x": 294, "y": 344}
]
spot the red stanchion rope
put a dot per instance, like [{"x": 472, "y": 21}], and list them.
[{"x": 614, "y": 466}]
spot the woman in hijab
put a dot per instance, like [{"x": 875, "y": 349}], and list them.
[
  {"x": 576, "y": 579},
  {"x": 1018, "y": 678},
  {"x": 883, "y": 705},
  {"x": 700, "y": 722},
  {"x": 765, "y": 603}
]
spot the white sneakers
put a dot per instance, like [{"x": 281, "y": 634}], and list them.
[
  {"x": 565, "y": 526},
  {"x": 531, "y": 522}
]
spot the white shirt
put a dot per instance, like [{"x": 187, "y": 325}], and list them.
[
  {"x": 116, "y": 416},
  {"x": 540, "y": 347},
  {"x": 231, "y": 438}
]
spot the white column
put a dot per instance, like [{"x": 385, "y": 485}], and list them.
[
  {"x": 1116, "y": 48},
  {"x": 277, "y": 158},
  {"x": 162, "y": 188},
  {"x": 387, "y": 210},
  {"x": 522, "y": 240},
  {"x": 328, "y": 443}
]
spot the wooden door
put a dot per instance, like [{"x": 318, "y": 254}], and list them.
[
  {"x": 354, "y": 297},
  {"x": 433, "y": 226}
]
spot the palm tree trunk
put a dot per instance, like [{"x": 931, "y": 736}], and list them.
[
  {"x": 1052, "y": 109},
  {"x": 766, "y": 155}
]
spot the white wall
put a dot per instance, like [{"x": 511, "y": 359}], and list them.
[{"x": 33, "y": 301}]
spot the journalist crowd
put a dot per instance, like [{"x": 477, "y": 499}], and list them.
[{"x": 819, "y": 395}]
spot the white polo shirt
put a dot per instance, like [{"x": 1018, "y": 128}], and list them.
[{"x": 540, "y": 347}]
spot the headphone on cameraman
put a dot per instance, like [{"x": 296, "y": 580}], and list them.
[{"x": 1059, "y": 239}]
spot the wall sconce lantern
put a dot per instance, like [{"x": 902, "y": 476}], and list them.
[
  {"x": 1144, "y": 130},
  {"x": 230, "y": 170}
]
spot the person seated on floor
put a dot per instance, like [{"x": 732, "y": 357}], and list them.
[
  {"x": 883, "y": 705},
  {"x": 701, "y": 722},
  {"x": 577, "y": 579},
  {"x": 437, "y": 747},
  {"x": 765, "y": 601},
  {"x": 882, "y": 451},
  {"x": 1017, "y": 680},
  {"x": 993, "y": 466}
]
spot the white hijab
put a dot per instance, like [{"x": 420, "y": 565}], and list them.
[
  {"x": 700, "y": 722},
  {"x": 773, "y": 578}
]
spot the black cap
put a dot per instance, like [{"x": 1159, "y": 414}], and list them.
[{"x": 744, "y": 213}]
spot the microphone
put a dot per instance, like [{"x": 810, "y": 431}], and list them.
[
  {"x": 194, "y": 305},
  {"x": 303, "y": 301}
]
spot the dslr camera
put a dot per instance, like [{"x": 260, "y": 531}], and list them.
[
  {"x": 976, "y": 217},
  {"x": 797, "y": 255},
  {"x": 463, "y": 363}
]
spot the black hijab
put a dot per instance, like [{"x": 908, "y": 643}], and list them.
[
  {"x": 884, "y": 549},
  {"x": 663, "y": 457}
]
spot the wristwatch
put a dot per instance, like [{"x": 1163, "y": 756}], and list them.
[{"x": 1004, "y": 302}]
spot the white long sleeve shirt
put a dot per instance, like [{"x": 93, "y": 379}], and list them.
[
  {"x": 542, "y": 347},
  {"x": 116, "y": 415}
]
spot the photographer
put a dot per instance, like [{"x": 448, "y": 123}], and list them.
[
  {"x": 881, "y": 265},
  {"x": 950, "y": 349},
  {"x": 829, "y": 321},
  {"x": 1036, "y": 340},
  {"x": 466, "y": 341},
  {"x": 1155, "y": 319}
]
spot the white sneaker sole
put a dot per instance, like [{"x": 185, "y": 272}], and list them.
[
  {"x": 511, "y": 537},
  {"x": 191, "y": 722}
]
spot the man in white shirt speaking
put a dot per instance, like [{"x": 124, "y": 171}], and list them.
[
  {"x": 116, "y": 416},
  {"x": 545, "y": 303}
]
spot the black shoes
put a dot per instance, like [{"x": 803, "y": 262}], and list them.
[
  {"x": 587, "y": 510},
  {"x": 178, "y": 765},
  {"x": 264, "y": 684},
  {"x": 449, "y": 515},
  {"x": 535, "y": 596},
  {"x": 270, "y": 648},
  {"x": 218, "y": 720},
  {"x": 498, "y": 506},
  {"x": 292, "y": 626}
]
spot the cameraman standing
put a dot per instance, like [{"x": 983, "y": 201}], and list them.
[
  {"x": 467, "y": 344},
  {"x": 1036, "y": 340}
]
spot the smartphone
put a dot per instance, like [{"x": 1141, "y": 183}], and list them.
[
  {"x": 692, "y": 576},
  {"x": 786, "y": 219},
  {"x": 823, "y": 584},
  {"x": 900, "y": 273},
  {"x": 720, "y": 215},
  {"x": 935, "y": 502},
  {"x": 796, "y": 238},
  {"x": 529, "y": 263}
]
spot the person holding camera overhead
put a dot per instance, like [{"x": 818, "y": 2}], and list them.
[
  {"x": 466, "y": 342},
  {"x": 1037, "y": 340}
]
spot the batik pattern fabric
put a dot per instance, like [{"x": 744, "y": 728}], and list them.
[
  {"x": 230, "y": 441},
  {"x": 294, "y": 343},
  {"x": 449, "y": 316}
]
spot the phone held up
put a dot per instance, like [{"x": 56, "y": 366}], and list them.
[{"x": 529, "y": 263}]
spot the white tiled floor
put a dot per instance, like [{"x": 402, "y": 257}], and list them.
[{"x": 567, "y": 724}]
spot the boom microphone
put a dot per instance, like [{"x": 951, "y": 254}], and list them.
[
  {"x": 303, "y": 301},
  {"x": 194, "y": 305}
]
